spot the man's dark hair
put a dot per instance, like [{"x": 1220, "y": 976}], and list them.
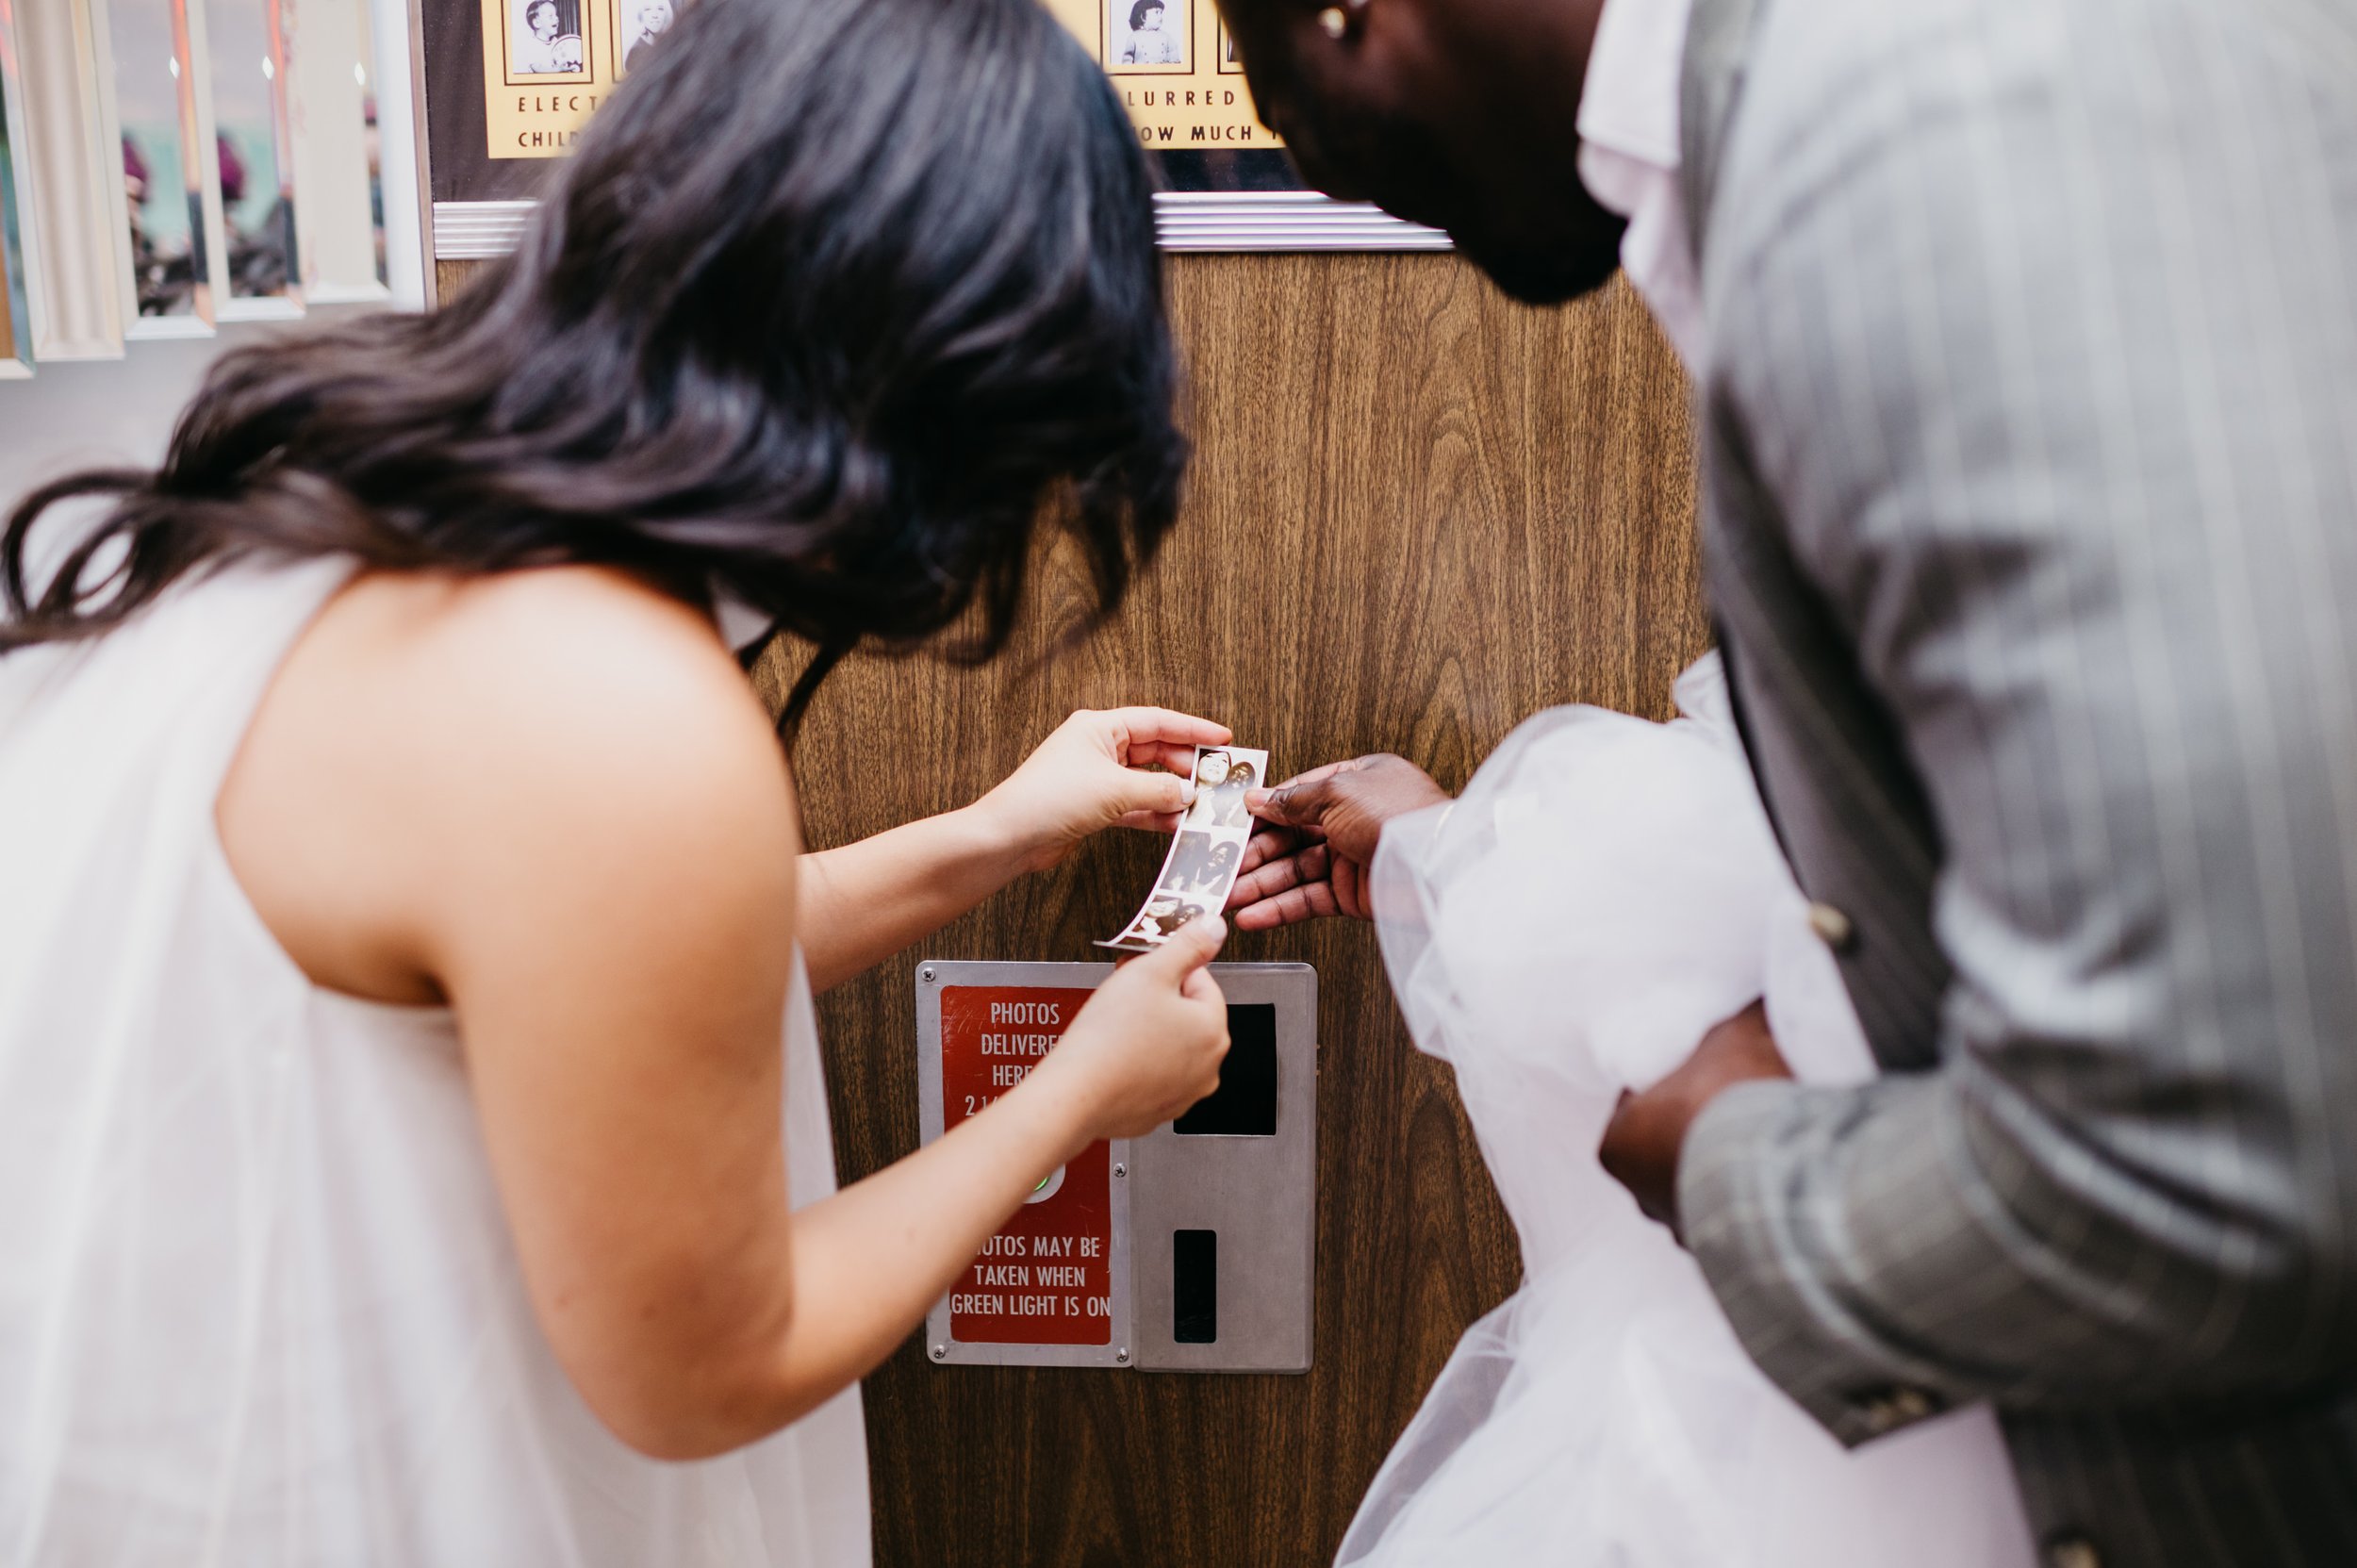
[
  {"x": 1137, "y": 13},
  {"x": 537, "y": 7},
  {"x": 836, "y": 304}
]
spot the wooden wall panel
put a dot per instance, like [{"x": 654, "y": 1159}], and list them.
[
  {"x": 451, "y": 277},
  {"x": 1419, "y": 514}
]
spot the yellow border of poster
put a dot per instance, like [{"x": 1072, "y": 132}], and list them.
[
  {"x": 1197, "y": 104},
  {"x": 541, "y": 114}
]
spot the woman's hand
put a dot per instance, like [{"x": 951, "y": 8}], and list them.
[
  {"x": 1095, "y": 772},
  {"x": 1149, "y": 1044},
  {"x": 1324, "y": 828},
  {"x": 864, "y": 901}
]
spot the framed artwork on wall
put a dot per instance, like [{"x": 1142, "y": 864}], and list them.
[{"x": 1228, "y": 185}]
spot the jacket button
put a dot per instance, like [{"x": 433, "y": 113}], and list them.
[
  {"x": 1833, "y": 928},
  {"x": 2072, "y": 1551},
  {"x": 1897, "y": 1408}
]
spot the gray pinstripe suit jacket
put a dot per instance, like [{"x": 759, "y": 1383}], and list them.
[{"x": 2030, "y": 423}]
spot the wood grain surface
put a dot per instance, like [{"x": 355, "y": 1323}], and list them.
[
  {"x": 451, "y": 277},
  {"x": 1419, "y": 514},
  {"x": 8, "y": 346}
]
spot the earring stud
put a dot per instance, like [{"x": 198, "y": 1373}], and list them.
[{"x": 1333, "y": 22}]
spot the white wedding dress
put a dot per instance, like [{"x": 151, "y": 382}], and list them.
[
  {"x": 1605, "y": 891},
  {"x": 259, "y": 1306}
]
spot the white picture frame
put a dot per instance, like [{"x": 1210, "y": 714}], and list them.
[
  {"x": 193, "y": 67},
  {"x": 331, "y": 72},
  {"x": 76, "y": 253},
  {"x": 16, "y": 308}
]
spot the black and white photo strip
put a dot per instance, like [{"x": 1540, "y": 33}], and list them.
[{"x": 1207, "y": 851}]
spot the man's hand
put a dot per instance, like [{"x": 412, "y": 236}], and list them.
[
  {"x": 1642, "y": 1143},
  {"x": 1314, "y": 857}
]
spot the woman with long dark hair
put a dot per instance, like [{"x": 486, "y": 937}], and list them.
[{"x": 400, "y": 899}]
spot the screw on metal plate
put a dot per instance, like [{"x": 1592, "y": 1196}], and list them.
[
  {"x": 925, "y": 973},
  {"x": 1121, "y": 1170},
  {"x": 941, "y": 1352},
  {"x": 1122, "y": 1356}
]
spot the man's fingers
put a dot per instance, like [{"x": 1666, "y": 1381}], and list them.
[
  {"x": 1271, "y": 843},
  {"x": 1278, "y": 875},
  {"x": 1324, "y": 770},
  {"x": 1310, "y": 902},
  {"x": 1295, "y": 805},
  {"x": 1350, "y": 888},
  {"x": 1255, "y": 799}
]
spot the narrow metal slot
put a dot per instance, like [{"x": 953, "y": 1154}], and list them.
[{"x": 1195, "y": 1287}]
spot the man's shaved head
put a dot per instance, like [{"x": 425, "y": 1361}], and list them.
[{"x": 1456, "y": 113}]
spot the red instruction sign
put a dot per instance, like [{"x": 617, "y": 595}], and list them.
[{"x": 1047, "y": 1276}]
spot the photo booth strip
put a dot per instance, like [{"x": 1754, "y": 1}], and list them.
[{"x": 1207, "y": 851}]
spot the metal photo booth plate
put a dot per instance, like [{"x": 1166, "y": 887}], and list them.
[{"x": 1190, "y": 1249}]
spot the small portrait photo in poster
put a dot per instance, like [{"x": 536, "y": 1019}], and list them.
[
  {"x": 546, "y": 43},
  {"x": 1149, "y": 37},
  {"x": 638, "y": 23},
  {"x": 1230, "y": 64}
]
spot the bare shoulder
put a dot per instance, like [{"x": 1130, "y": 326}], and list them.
[
  {"x": 440, "y": 749},
  {"x": 551, "y": 641}
]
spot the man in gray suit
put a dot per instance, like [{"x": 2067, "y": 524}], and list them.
[{"x": 2025, "y": 335}]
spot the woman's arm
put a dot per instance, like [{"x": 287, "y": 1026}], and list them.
[
  {"x": 868, "y": 1263},
  {"x": 866, "y": 902},
  {"x": 552, "y": 801}
]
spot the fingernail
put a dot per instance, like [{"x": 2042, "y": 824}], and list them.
[{"x": 1186, "y": 792}]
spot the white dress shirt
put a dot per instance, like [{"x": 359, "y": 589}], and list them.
[{"x": 1629, "y": 156}]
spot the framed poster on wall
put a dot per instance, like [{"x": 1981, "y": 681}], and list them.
[{"x": 508, "y": 84}]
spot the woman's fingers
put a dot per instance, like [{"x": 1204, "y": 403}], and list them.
[
  {"x": 1169, "y": 756},
  {"x": 1138, "y": 789},
  {"x": 1147, "y": 726}
]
